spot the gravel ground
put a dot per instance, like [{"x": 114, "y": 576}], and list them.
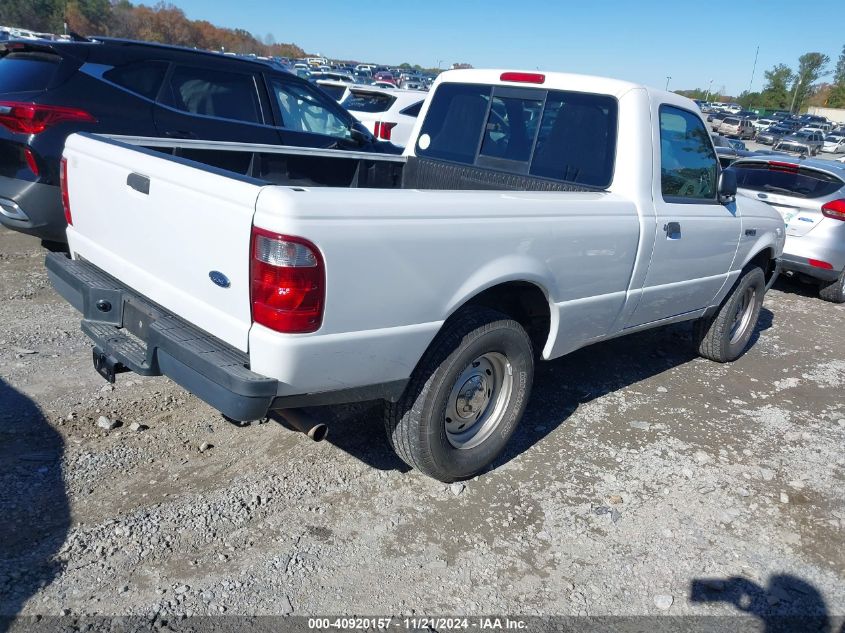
[{"x": 642, "y": 480}]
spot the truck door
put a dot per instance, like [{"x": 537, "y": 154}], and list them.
[{"x": 696, "y": 236}]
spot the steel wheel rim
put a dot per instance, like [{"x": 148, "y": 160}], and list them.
[
  {"x": 744, "y": 312},
  {"x": 478, "y": 400}
]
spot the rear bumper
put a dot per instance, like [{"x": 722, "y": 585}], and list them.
[
  {"x": 131, "y": 332},
  {"x": 33, "y": 208},
  {"x": 138, "y": 335},
  {"x": 802, "y": 265}
]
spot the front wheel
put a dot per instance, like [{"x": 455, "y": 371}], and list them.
[
  {"x": 465, "y": 397},
  {"x": 724, "y": 336}
]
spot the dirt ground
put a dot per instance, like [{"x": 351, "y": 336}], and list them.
[{"x": 643, "y": 480}]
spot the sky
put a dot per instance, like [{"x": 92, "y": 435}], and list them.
[{"x": 644, "y": 41}]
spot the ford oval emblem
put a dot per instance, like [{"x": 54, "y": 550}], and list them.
[{"x": 219, "y": 278}]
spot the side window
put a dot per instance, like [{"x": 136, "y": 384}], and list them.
[
  {"x": 304, "y": 110},
  {"x": 577, "y": 139},
  {"x": 452, "y": 128},
  {"x": 412, "y": 110},
  {"x": 511, "y": 127},
  {"x": 688, "y": 165},
  {"x": 215, "y": 93},
  {"x": 143, "y": 78}
]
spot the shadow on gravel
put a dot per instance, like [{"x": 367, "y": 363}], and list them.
[
  {"x": 357, "y": 429},
  {"x": 787, "y": 605},
  {"x": 561, "y": 385},
  {"x": 34, "y": 509}
]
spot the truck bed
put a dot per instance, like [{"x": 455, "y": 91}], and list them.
[{"x": 307, "y": 167}]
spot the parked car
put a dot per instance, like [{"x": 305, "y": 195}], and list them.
[
  {"x": 434, "y": 284},
  {"x": 810, "y": 195},
  {"x": 834, "y": 144},
  {"x": 736, "y": 127},
  {"x": 772, "y": 134},
  {"x": 49, "y": 90},
  {"x": 389, "y": 114},
  {"x": 716, "y": 119},
  {"x": 385, "y": 77},
  {"x": 763, "y": 124},
  {"x": 806, "y": 143}
]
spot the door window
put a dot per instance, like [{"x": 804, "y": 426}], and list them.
[
  {"x": 304, "y": 110},
  {"x": 215, "y": 93},
  {"x": 688, "y": 164}
]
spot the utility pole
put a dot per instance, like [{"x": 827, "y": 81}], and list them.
[
  {"x": 753, "y": 69},
  {"x": 667, "y": 81},
  {"x": 709, "y": 86},
  {"x": 795, "y": 94}
]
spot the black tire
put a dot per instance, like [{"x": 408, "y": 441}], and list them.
[
  {"x": 724, "y": 336},
  {"x": 417, "y": 424},
  {"x": 834, "y": 291}
]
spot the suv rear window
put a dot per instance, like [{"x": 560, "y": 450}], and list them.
[
  {"x": 553, "y": 134},
  {"x": 21, "y": 72},
  {"x": 784, "y": 178},
  {"x": 368, "y": 101},
  {"x": 730, "y": 121}
]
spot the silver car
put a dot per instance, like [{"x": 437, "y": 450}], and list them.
[
  {"x": 801, "y": 142},
  {"x": 810, "y": 195}
]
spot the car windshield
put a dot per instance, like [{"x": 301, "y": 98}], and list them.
[
  {"x": 362, "y": 101},
  {"x": 834, "y": 138},
  {"x": 795, "y": 180}
]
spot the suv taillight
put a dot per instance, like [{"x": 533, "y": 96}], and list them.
[
  {"x": 382, "y": 130},
  {"x": 65, "y": 197},
  {"x": 33, "y": 118},
  {"x": 834, "y": 209},
  {"x": 287, "y": 283}
]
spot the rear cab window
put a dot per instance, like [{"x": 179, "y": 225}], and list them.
[
  {"x": 27, "y": 71},
  {"x": 553, "y": 134},
  {"x": 785, "y": 178}
]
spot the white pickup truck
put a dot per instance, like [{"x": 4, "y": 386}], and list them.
[{"x": 531, "y": 214}]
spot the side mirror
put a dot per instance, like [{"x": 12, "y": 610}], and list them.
[{"x": 727, "y": 186}]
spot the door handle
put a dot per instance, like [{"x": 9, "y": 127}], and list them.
[
  {"x": 139, "y": 183},
  {"x": 751, "y": 232},
  {"x": 673, "y": 230}
]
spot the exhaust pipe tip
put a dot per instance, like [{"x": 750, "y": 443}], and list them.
[
  {"x": 304, "y": 423},
  {"x": 318, "y": 432}
]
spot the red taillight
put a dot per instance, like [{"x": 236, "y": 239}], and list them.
[
  {"x": 65, "y": 197},
  {"x": 33, "y": 118},
  {"x": 820, "y": 264},
  {"x": 288, "y": 282},
  {"x": 525, "y": 78},
  {"x": 834, "y": 209},
  {"x": 382, "y": 130},
  {"x": 30, "y": 161}
]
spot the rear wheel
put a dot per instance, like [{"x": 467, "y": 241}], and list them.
[
  {"x": 465, "y": 398},
  {"x": 834, "y": 291},
  {"x": 724, "y": 336}
]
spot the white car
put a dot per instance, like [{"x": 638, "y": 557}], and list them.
[
  {"x": 834, "y": 144},
  {"x": 389, "y": 113},
  {"x": 763, "y": 124}
]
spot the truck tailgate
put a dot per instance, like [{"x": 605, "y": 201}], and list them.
[{"x": 164, "y": 227}]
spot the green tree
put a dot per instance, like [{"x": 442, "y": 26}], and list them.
[
  {"x": 750, "y": 100},
  {"x": 37, "y": 15},
  {"x": 811, "y": 66},
  {"x": 839, "y": 73},
  {"x": 776, "y": 94},
  {"x": 836, "y": 98}
]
